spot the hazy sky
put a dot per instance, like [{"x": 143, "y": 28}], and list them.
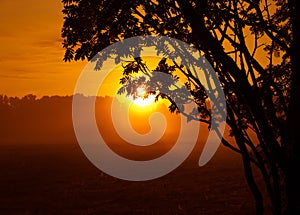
[{"x": 31, "y": 52}]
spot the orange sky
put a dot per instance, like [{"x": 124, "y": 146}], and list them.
[{"x": 31, "y": 52}]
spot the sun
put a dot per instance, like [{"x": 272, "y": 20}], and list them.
[{"x": 141, "y": 100}]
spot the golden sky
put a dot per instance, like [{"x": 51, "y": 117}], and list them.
[{"x": 31, "y": 52}]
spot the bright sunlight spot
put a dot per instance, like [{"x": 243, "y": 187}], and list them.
[{"x": 141, "y": 100}]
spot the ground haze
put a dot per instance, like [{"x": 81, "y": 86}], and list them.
[{"x": 44, "y": 171}]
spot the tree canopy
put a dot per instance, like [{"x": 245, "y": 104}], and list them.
[{"x": 252, "y": 47}]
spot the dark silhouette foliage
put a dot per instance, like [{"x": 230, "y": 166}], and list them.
[{"x": 252, "y": 46}]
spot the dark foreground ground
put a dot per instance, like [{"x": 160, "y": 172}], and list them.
[{"x": 58, "y": 179}]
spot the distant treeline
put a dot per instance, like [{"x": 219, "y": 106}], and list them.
[
  {"x": 49, "y": 119},
  {"x": 37, "y": 120}
]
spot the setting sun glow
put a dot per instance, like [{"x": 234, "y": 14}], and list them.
[{"x": 141, "y": 100}]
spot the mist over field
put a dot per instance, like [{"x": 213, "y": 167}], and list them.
[{"x": 44, "y": 171}]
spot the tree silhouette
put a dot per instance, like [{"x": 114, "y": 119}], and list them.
[{"x": 252, "y": 46}]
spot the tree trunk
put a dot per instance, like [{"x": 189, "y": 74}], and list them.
[{"x": 293, "y": 118}]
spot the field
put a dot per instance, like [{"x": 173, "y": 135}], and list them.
[
  {"x": 43, "y": 170},
  {"x": 58, "y": 179}
]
